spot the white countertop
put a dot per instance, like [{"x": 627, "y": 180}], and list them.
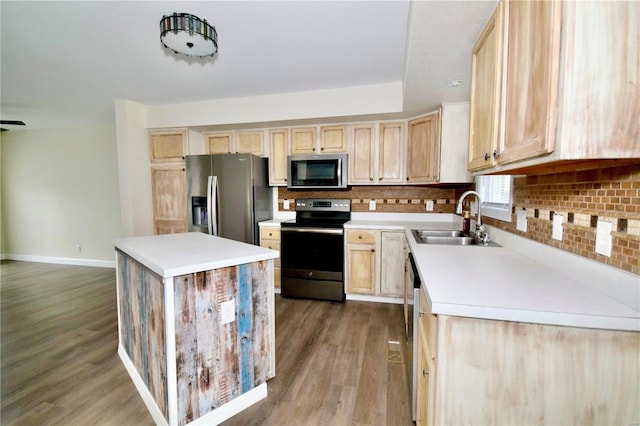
[
  {"x": 178, "y": 254},
  {"x": 521, "y": 281}
]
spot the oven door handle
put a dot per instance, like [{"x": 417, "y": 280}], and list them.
[{"x": 314, "y": 230}]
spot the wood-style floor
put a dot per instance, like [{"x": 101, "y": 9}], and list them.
[{"x": 59, "y": 364}]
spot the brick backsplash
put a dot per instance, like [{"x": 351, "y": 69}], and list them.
[
  {"x": 396, "y": 199},
  {"x": 582, "y": 198}
]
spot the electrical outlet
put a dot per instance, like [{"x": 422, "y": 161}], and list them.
[
  {"x": 78, "y": 248},
  {"x": 603, "y": 238},
  {"x": 429, "y": 205},
  {"x": 286, "y": 204},
  {"x": 372, "y": 204},
  {"x": 228, "y": 311}
]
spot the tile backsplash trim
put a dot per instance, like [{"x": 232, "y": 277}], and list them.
[
  {"x": 392, "y": 199},
  {"x": 582, "y": 198}
]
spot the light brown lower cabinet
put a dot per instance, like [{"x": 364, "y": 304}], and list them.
[
  {"x": 502, "y": 372},
  {"x": 270, "y": 238},
  {"x": 375, "y": 262}
]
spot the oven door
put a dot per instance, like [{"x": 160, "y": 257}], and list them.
[{"x": 312, "y": 262}]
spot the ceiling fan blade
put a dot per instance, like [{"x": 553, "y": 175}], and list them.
[{"x": 12, "y": 122}]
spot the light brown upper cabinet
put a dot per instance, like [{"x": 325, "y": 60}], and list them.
[
  {"x": 391, "y": 149},
  {"x": 219, "y": 143},
  {"x": 486, "y": 72},
  {"x": 333, "y": 139},
  {"x": 423, "y": 149},
  {"x": 278, "y": 151},
  {"x": 570, "y": 86},
  {"x": 168, "y": 146},
  {"x": 250, "y": 142},
  {"x": 303, "y": 140},
  {"x": 376, "y": 158},
  {"x": 239, "y": 142},
  {"x": 531, "y": 84}
]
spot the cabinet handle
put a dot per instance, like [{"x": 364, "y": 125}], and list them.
[
  {"x": 425, "y": 372},
  {"x": 373, "y": 251},
  {"x": 486, "y": 156},
  {"x": 420, "y": 313},
  {"x": 359, "y": 237},
  {"x": 370, "y": 179},
  {"x": 322, "y": 149},
  {"x": 496, "y": 154}
]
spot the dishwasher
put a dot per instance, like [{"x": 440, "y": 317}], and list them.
[{"x": 412, "y": 293}]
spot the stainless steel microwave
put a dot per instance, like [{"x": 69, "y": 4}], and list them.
[{"x": 321, "y": 171}]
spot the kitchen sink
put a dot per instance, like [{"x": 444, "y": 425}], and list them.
[{"x": 448, "y": 237}]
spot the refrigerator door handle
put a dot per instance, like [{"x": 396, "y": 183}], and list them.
[
  {"x": 213, "y": 199},
  {"x": 209, "y": 224}
]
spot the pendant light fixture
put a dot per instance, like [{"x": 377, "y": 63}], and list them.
[{"x": 187, "y": 34}]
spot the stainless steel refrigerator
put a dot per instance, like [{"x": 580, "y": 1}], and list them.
[{"x": 228, "y": 194}]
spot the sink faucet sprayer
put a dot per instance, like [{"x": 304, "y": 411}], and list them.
[{"x": 481, "y": 232}]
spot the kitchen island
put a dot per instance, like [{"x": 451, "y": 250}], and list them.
[{"x": 196, "y": 324}]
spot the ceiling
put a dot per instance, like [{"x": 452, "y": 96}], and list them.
[{"x": 64, "y": 63}]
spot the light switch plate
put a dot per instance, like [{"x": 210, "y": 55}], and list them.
[
  {"x": 372, "y": 204},
  {"x": 429, "y": 205},
  {"x": 285, "y": 204},
  {"x": 521, "y": 220},
  {"x": 228, "y": 311},
  {"x": 603, "y": 238},
  {"x": 557, "y": 227}
]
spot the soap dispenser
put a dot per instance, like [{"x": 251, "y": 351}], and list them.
[{"x": 466, "y": 222}]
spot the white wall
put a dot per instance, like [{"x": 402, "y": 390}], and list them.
[{"x": 60, "y": 190}]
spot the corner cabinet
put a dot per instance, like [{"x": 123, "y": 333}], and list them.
[
  {"x": 168, "y": 180},
  {"x": 456, "y": 385},
  {"x": 567, "y": 94},
  {"x": 375, "y": 262}
]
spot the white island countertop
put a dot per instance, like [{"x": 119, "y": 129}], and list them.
[
  {"x": 178, "y": 254},
  {"x": 503, "y": 284}
]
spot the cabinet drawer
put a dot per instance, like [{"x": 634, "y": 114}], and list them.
[
  {"x": 273, "y": 245},
  {"x": 269, "y": 233},
  {"x": 361, "y": 237}
]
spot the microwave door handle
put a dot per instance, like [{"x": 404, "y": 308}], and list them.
[{"x": 339, "y": 171}]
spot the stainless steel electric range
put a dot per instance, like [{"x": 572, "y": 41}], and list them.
[{"x": 312, "y": 249}]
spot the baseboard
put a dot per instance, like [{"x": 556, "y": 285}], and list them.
[
  {"x": 379, "y": 299},
  {"x": 61, "y": 260}
]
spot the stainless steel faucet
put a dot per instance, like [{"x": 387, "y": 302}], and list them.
[{"x": 481, "y": 232}]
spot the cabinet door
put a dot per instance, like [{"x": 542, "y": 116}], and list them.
[
  {"x": 168, "y": 146},
  {"x": 270, "y": 238},
  {"x": 531, "y": 90},
  {"x": 392, "y": 261},
  {"x": 362, "y": 155},
  {"x": 169, "y": 198},
  {"x": 391, "y": 152},
  {"x": 361, "y": 268},
  {"x": 250, "y": 143},
  {"x": 220, "y": 143},
  {"x": 486, "y": 75},
  {"x": 333, "y": 139},
  {"x": 423, "y": 151},
  {"x": 422, "y": 385},
  {"x": 303, "y": 140},
  {"x": 278, "y": 151}
]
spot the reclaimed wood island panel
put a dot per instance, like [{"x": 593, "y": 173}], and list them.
[{"x": 196, "y": 324}]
